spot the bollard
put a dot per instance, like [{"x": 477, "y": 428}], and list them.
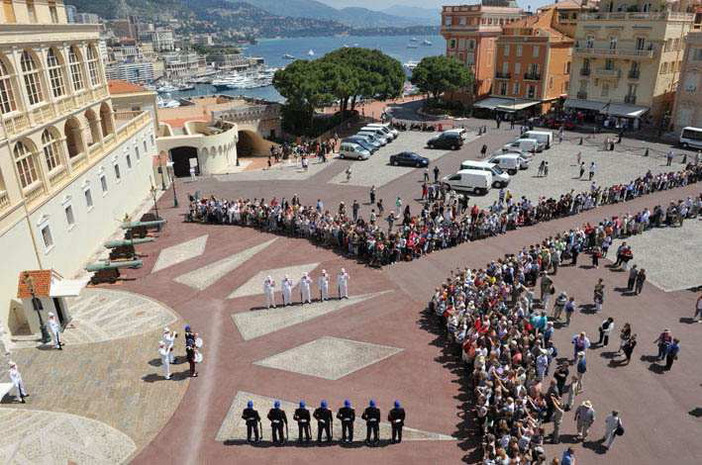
[
  {"x": 581, "y": 141},
  {"x": 646, "y": 154}
]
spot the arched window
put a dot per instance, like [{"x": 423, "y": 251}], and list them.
[
  {"x": 93, "y": 68},
  {"x": 76, "y": 68},
  {"x": 26, "y": 164},
  {"x": 53, "y": 64},
  {"x": 32, "y": 81},
  {"x": 74, "y": 138},
  {"x": 52, "y": 149},
  {"x": 106, "y": 119},
  {"x": 94, "y": 125},
  {"x": 7, "y": 96}
]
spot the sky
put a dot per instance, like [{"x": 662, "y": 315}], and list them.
[{"x": 381, "y": 4}]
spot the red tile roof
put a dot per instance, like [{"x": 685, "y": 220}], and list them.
[
  {"x": 42, "y": 284},
  {"x": 123, "y": 87}
]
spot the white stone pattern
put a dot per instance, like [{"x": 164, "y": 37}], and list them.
[{"x": 179, "y": 253}]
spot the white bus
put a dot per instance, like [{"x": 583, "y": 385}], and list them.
[{"x": 691, "y": 137}]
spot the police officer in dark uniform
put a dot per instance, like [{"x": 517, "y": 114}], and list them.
[
  {"x": 324, "y": 421},
  {"x": 372, "y": 416},
  {"x": 396, "y": 417},
  {"x": 302, "y": 417},
  {"x": 347, "y": 415},
  {"x": 253, "y": 420},
  {"x": 277, "y": 417}
]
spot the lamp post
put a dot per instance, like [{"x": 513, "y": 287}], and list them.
[
  {"x": 153, "y": 194},
  {"x": 162, "y": 168},
  {"x": 38, "y": 307},
  {"x": 173, "y": 182}
]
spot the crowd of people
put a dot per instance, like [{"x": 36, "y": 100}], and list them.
[
  {"x": 445, "y": 219},
  {"x": 519, "y": 378}
]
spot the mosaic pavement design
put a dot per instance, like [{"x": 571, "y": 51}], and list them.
[
  {"x": 48, "y": 438},
  {"x": 329, "y": 357},
  {"x": 102, "y": 315},
  {"x": 202, "y": 278},
  {"x": 258, "y": 323},
  {"x": 254, "y": 286},
  {"x": 179, "y": 253},
  {"x": 234, "y": 428}
]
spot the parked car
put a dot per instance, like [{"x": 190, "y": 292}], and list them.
[
  {"x": 369, "y": 140},
  {"x": 476, "y": 181},
  {"x": 387, "y": 127},
  {"x": 523, "y": 145},
  {"x": 444, "y": 140},
  {"x": 409, "y": 159},
  {"x": 545, "y": 138},
  {"x": 460, "y": 131},
  {"x": 510, "y": 162},
  {"x": 499, "y": 177},
  {"x": 373, "y": 137},
  {"x": 380, "y": 131},
  {"x": 363, "y": 142},
  {"x": 351, "y": 150},
  {"x": 555, "y": 123}
]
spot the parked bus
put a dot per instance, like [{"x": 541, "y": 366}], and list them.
[{"x": 691, "y": 137}]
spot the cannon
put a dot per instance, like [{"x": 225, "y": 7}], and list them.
[
  {"x": 139, "y": 228},
  {"x": 124, "y": 249},
  {"x": 107, "y": 271}
]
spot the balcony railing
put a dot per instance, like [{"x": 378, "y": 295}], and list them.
[
  {"x": 608, "y": 73},
  {"x": 33, "y": 192},
  {"x": 584, "y": 71},
  {"x": 630, "y": 99},
  {"x": 499, "y": 75},
  {"x": 638, "y": 16},
  {"x": 42, "y": 114},
  {"x": 4, "y": 200},
  {"x": 16, "y": 124},
  {"x": 532, "y": 76},
  {"x": 582, "y": 95},
  {"x": 615, "y": 52},
  {"x": 634, "y": 74}
]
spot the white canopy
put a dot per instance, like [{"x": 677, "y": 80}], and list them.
[
  {"x": 584, "y": 104},
  {"x": 67, "y": 287},
  {"x": 624, "y": 110}
]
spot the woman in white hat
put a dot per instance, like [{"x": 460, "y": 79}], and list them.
[{"x": 16, "y": 378}]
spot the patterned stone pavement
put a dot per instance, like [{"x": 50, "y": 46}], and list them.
[
  {"x": 254, "y": 286},
  {"x": 181, "y": 252}
]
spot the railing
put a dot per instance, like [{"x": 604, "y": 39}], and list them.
[
  {"x": 66, "y": 105},
  {"x": 582, "y": 95},
  {"x": 33, "y": 192},
  {"x": 4, "y": 200},
  {"x": 42, "y": 114},
  {"x": 630, "y": 99},
  {"x": 638, "y": 16},
  {"x": 584, "y": 71},
  {"x": 634, "y": 74},
  {"x": 57, "y": 176},
  {"x": 16, "y": 124},
  {"x": 499, "y": 75},
  {"x": 608, "y": 73},
  {"x": 532, "y": 76},
  {"x": 615, "y": 52}
]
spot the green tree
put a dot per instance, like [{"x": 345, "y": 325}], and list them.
[{"x": 439, "y": 74}]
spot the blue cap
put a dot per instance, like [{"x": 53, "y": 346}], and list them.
[
  {"x": 347, "y": 403},
  {"x": 372, "y": 403},
  {"x": 249, "y": 404},
  {"x": 276, "y": 404},
  {"x": 324, "y": 404},
  {"x": 187, "y": 327},
  {"x": 302, "y": 404},
  {"x": 397, "y": 404}
]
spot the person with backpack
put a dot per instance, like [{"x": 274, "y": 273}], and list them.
[{"x": 613, "y": 428}]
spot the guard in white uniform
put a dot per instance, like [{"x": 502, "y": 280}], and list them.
[
  {"x": 287, "y": 290},
  {"x": 168, "y": 339},
  {"x": 342, "y": 284},
  {"x": 305, "y": 294},
  {"x": 16, "y": 378},
  {"x": 55, "y": 329},
  {"x": 165, "y": 359},
  {"x": 269, "y": 290},
  {"x": 323, "y": 284}
]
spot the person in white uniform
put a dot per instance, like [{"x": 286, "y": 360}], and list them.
[
  {"x": 269, "y": 290},
  {"x": 165, "y": 359},
  {"x": 16, "y": 378},
  {"x": 287, "y": 290},
  {"x": 168, "y": 339},
  {"x": 612, "y": 424},
  {"x": 55, "y": 328},
  {"x": 342, "y": 284},
  {"x": 305, "y": 293},
  {"x": 323, "y": 284}
]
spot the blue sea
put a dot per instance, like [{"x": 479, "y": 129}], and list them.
[{"x": 272, "y": 50}]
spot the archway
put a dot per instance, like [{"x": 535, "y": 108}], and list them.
[
  {"x": 181, "y": 157},
  {"x": 251, "y": 144},
  {"x": 106, "y": 123},
  {"x": 94, "y": 126},
  {"x": 74, "y": 138}
]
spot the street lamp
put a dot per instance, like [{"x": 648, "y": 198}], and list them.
[
  {"x": 153, "y": 194},
  {"x": 38, "y": 307},
  {"x": 173, "y": 182}
]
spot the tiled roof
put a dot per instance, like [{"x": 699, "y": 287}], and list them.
[
  {"x": 42, "y": 284},
  {"x": 123, "y": 87}
]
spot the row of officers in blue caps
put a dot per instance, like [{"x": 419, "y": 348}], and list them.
[{"x": 325, "y": 422}]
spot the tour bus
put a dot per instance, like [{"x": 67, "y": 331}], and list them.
[{"x": 691, "y": 137}]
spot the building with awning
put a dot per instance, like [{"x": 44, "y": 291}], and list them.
[
  {"x": 582, "y": 104},
  {"x": 624, "y": 110},
  {"x": 509, "y": 105}
]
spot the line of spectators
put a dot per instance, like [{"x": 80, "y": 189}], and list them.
[
  {"x": 505, "y": 337},
  {"x": 444, "y": 220}
]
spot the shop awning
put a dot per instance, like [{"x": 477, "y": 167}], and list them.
[
  {"x": 67, "y": 287},
  {"x": 491, "y": 103},
  {"x": 584, "y": 104},
  {"x": 505, "y": 104},
  {"x": 518, "y": 105},
  {"x": 624, "y": 110}
]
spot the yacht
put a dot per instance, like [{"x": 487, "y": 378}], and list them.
[
  {"x": 426, "y": 42},
  {"x": 166, "y": 87},
  {"x": 287, "y": 56},
  {"x": 413, "y": 39},
  {"x": 311, "y": 53},
  {"x": 410, "y": 65}
]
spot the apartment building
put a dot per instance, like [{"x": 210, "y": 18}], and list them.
[
  {"x": 471, "y": 33},
  {"x": 70, "y": 167},
  {"x": 627, "y": 60},
  {"x": 688, "y": 98},
  {"x": 533, "y": 61},
  {"x": 138, "y": 72},
  {"x": 183, "y": 64}
]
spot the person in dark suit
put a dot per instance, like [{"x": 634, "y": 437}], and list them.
[
  {"x": 324, "y": 421},
  {"x": 347, "y": 415},
  {"x": 396, "y": 417},
  {"x": 253, "y": 420},
  {"x": 277, "y": 417},
  {"x": 372, "y": 417},
  {"x": 302, "y": 417}
]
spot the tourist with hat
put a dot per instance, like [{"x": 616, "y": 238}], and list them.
[
  {"x": 17, "y": 382},
  {"x": 396, "y": 417},
  {"x": 347, "y": 415},
  {"x": 584, "y": 418}
]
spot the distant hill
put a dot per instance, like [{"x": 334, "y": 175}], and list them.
[{"x": 429, "y": 16}]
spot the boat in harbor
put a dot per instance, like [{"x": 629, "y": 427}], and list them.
[
  {"x": 413, "y": 39},
  {"x": 167, "y": 87},
  {"x": 410, "y": 65},
  {"x": 287, "y": 56},
  {"x": 412, "y": 45},
  {"x": 426, "y": 42},
  {"x": 310, "y": 53}
]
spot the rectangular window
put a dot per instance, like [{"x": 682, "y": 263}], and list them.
[
  {"x": 640, "y": 43},
  {"x": 605, "y": 90},
  {"x": 589, "y": 42},
  {"x": 31, "y": 11},
  {"x": 515, "y": 89},
  {"x": 519, "y": 50},
  {"x": 9, "y": 10},
  {"x": 535, "y": 51},
  {"x": 696, "y": 54},
  {"x": 103, "y": 184},
  {"x": 53, "y": 12},
  {"x": 129, "y": 161},
  {"x": 136, "y": 150},
  {"x": 152, "y": 137},
  {"x": 567, "y": 67},
  {"x": 517, "y": 68},
  {"x": 531, "y": 91},
  {"x": 118, "y": 174},
  {"x": 88, "y": 198},
  {"x": 505, "y": 68},
  {"x": 613, "y": 43},
  {"x": 145, "y": 147},
  {"x": 70, "y": 219},
  {"x": 46, "y": 237},
  {"x": 506, "y": 50}
]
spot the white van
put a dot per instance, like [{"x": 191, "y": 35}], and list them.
[
  {"x": 545, "y": 138},
  {"x": 477, "y": 181},
  {"x": 386, "y": 126},
  {"x": 351, "y": 150},
  {"x": 523, "y": 145},
  {"x": 510, "y": 162},
  {"x": 373, "y": 137},
  {"x": 499, "y": 177},
  {"x": 381, "y": 132}
]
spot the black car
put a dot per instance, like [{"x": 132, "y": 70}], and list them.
[
  {"x": 450, "y": 140},
  {"x": 362, "y": 142},
  {"x": 408, "y": 159}
]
